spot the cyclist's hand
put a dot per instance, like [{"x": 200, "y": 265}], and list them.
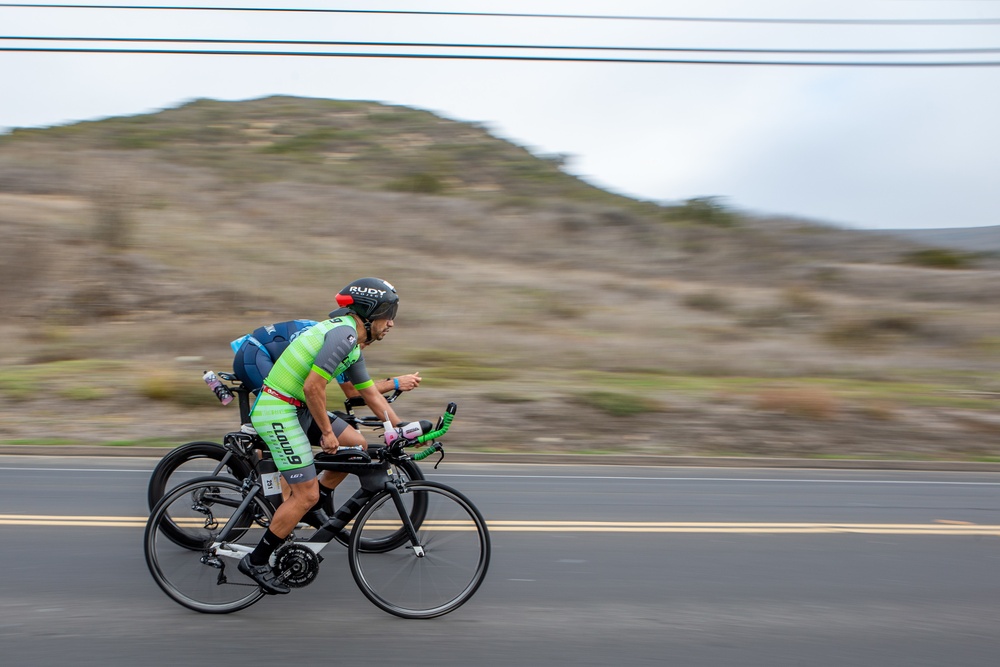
[
  {"x": 329, "y": 443},
  {"x": 409, "y": 382}
]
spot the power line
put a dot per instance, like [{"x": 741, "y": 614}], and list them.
[
  {"x": 456, "y": 56},
  {"x": 536, "y": 47},
  {"x": 688, "y": 19}
]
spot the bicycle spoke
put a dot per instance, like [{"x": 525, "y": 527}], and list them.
[
  {"x": 455, "y": 546},
  {"x": 197, "y": 578}
]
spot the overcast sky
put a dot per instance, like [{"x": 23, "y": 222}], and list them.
[{"x": 866, "y": 147}]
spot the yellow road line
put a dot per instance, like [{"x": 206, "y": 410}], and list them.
[{"x": 951, "y": 528}]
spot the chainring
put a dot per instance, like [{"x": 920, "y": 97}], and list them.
[{"x": 296, "y": 565}]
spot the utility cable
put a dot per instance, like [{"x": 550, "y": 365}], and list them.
[
  {"x": 456, "y": 56},
  {"x": 687, "y": 19},
  {"x": 526, "y": 47}
]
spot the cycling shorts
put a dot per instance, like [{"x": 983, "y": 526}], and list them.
[{"x": 283, "y": 427}]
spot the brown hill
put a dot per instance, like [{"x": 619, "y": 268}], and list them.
[{"x": 557, "y": 315}]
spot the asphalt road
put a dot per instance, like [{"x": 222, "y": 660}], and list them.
[{"x": 591, "y": 566}]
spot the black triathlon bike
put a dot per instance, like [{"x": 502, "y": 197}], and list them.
[
  {"x": 416, "y": 548},
  {"x": 238, "y": 454}
]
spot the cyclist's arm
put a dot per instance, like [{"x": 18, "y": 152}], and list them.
[
  {"x": 314, "y": 389},
  {"x": 405, "y": 383},
  {"x": 378, "y": 405},
  {"x": 357, "y": 373}
]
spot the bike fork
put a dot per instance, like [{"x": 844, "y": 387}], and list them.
[{"x": 397, "y": 500}]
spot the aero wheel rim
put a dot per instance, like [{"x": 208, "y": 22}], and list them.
[
  {"x": 456, "y": 555},
  {"x": 197, "y": 578}
]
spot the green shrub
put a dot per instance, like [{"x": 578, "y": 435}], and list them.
[
  {"x": 861, "y": 331},
  {"x": 702, "y": 210},
  {"x": 82, "y": 393},
  {"x": 710, "y": 301},
  {"x": 801, "y": 300},
  {"x": 388, "y": 118},
  {"x": 18, "y": 385},
  {"x": 307, "y": 142},
  {"x": 419, "y": 183},
  {"x": 617, "y": 404},
  {"x": 511, "y": 397},
  {"x": 938, "y": 258},
  {"x": 172, "y": 388}
]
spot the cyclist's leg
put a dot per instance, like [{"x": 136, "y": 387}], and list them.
[
  {"x": 277, "y": 423},
  {"x": 303, "y": 496}
]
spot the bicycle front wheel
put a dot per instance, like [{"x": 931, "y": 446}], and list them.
[
  {"x": 437, "y": 575},
  {"x": 201, "y": 579}
]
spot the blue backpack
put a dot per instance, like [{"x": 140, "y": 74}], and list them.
[{"x": 257, "y": 351}]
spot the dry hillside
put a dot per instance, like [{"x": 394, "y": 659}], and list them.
[{"x": 556, "y": 315}]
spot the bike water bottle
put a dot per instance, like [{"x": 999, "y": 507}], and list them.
[
  {"x": 413, "y": 430},
  {"x": 270, "y": 481},
  {"x": 391, "y": 434},
  {"x": 221, "y": 392}
]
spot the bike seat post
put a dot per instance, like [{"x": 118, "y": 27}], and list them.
[{"x": 244, "y": 398}]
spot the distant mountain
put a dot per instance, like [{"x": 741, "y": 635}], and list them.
[{"x": 970, "y": 239}]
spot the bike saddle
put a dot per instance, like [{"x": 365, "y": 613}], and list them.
[{"x": 345, "y": 455}]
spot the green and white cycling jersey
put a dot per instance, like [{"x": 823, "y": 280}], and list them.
[{"x": 330, "y": 348}]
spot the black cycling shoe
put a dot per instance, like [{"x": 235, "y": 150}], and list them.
[{"x": 264, "y": 577}]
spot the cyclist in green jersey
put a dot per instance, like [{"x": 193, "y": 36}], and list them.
[
  {"x": 293, "y": 398},
  {"x": 256, "y": 352}
]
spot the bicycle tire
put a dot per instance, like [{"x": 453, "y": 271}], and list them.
[
  {"x": 174, "y": 460},
  {"x": 409, "y": 471},
  {"x": 165, "y": 474},
  {"x": 181, "y": 572},
  {"x": 456, "y": 554}
]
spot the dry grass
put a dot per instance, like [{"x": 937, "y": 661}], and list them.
[
  {"x": 512, "y": 279},
  {"x": 810, "y": 402}
]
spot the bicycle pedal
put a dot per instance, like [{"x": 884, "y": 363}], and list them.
[{"x": 213, "y": 561}]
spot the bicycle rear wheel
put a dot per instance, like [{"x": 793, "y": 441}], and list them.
[
  {"x": 455, "y": 546},
  {"x": 195, "y": 459},
  {"x": 200, "y": 579}
]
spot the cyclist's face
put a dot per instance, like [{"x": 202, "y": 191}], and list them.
[{"x": 380, "y": 328}]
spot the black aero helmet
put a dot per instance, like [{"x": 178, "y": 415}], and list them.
[{"x": 369, "y": 298}]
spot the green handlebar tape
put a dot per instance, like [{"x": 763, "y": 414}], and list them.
[
  {"x": 424, "y": 453},
  {"x": 445, "y": 423}
]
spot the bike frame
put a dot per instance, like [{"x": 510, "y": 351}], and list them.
[{"x": 375, "y": 477}]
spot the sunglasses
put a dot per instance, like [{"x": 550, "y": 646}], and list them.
[{"x": 385, "y": 311}]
